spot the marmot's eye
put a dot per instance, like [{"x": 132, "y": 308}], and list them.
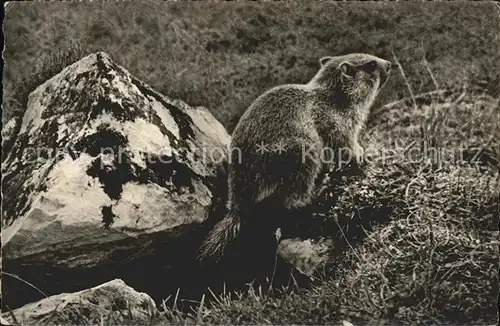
[{"x": 370, "y": 66}]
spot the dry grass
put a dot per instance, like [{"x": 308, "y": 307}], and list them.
[{"x": 223, "y": 55}]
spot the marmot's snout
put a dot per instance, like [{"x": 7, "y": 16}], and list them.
[{"x": 385, "y": 71}]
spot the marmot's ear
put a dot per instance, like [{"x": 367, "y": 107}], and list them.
[
  {"x": 347, "y": 69},
  {"x": 324, "y": 60}
]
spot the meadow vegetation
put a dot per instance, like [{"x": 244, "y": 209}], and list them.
[
  {"x": 224, "y": 55},
  {"x": 419, "y": 238}
]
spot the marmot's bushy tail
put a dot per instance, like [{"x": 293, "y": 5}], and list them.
[{"x": 223, "y": 232}]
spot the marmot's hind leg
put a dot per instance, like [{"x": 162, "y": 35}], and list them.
[
  {"x": 287, "y": 179},
  {"x": 299, "y": 175}
]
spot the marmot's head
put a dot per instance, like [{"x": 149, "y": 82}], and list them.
[{"x": 356, "y": 78}]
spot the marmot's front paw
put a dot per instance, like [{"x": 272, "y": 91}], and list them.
[
  {"x": 356, "y": 164},
  {"x": 358, "y": 154},
  {"x": 325, "y": 185},
  {"x": 357, "y": 169}
]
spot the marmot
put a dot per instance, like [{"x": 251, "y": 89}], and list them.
[{"x": 277, "y": 148}]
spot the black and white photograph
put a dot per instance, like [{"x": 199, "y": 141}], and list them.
[{"x": 250, "y": 163}]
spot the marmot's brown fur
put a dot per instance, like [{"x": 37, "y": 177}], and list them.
[{"x": 278, "y": 146}]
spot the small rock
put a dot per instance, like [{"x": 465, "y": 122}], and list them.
[
  {"x": 307, "y": 256},
  {"x": 112, "y": 303}
]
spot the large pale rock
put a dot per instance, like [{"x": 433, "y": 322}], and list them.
[
  {"x": 106, "y": 179},
  {"x": 112, "y": 303},
  {"x": 102, "y": 157}
]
